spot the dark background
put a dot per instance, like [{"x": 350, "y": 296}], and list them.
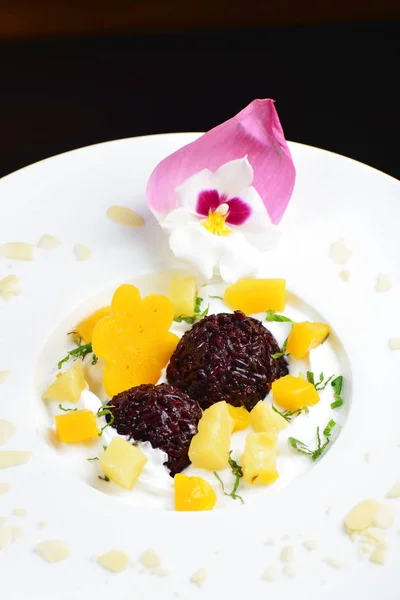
[{"x": 72, "y": 74}]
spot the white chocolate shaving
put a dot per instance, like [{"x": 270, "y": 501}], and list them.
[
  {"x": 52, "y": 550},
  {"x": 7, "y": 430},
  {"x": 115, "y": 561},
  {"x": 9, "y": 287},
  {"x": 13, "y": 458},
  {"x": 48, "y": 242},
  {"x": 17, "y": 251},
  {"x": 125, "y": 216},
  {"x": 82, "y": 252}
]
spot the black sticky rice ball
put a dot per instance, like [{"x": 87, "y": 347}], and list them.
[
  {"x": 226, "y": 357},
  {"x": 160, "y": 414}
]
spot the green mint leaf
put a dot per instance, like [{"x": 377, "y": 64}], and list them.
[
  {"x": 60, "y": 406},
  {"x": 94, "y": 458},
  {"x": 197, "y": 305},
  {"x": 320, "y": 385},
  {"x": 302, "y": 448},
  {"x": 217, "y": 297},
  {"x": 102, "y": 412},
  {"x": 337, "y": 403},
  {"x": 328, "y": 429},
  {"x": 299, "y": 446},
  {"x": 81, "y": 351},
  {"x": 288, "y": 415},
  {"x": 337, "y": 385},
  {"x": 310, "y": 377},
  {"x": 272, "y": 316},
  {"x": 94, "y": 359},
  {"x": 238, "y": 473},
  {"x": 105, "y": 478},
  {"x": 190, "y": 319}
]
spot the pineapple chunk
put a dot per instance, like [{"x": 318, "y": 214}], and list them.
[
  {"x": 84, "y": 329},
  {"x": 68, "y": 386},
  {"x": 259, "y": 459},
  {"x": 264, "y": 419},
  {"x": 304, "y": 337},
  {"x": 256, "y": 295},
  {"x": 76, "y": 426},
  {"x": 240, "y": 416},
  {"x": 193, "y": 493},
  {"x": 209, "y": 448},
  {"x": 293, "y": 393},
  {"x": 122, "y": 462},
  {"x": 182, "y": 294}
]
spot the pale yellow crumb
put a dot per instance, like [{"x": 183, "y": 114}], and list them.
[
  {"x": 394, "y": 491},
  {"x": 42, "y": 524},
  {"x": 17, "y": 534},
  {"x": 378, "y": 556},
  {"x": 374, "y": 535},
  {"x": 150, "y": 559},
  {"x": 328, "y": 511},
  {"x": 4, "y": 488},
  {"x": 332, "y": 562},
  {"x": 4, "y": 375},
  {"x": 48, "y": 242},
  {"x": 124, "y": 216},
  {"x": 310, "y": 545},
  {"x": 52, "y": 550},
  {"x": 115, "y": 561},
  {"x": 13, "y": 458},
  {"x": 394, "y": 343},
  {"x": 289, "y": 571},
  {"x": 285, "y": 537},
  {"x": 362, "y": 515},
  {"x": 287, "y": 554},
  {"x": 9, "y": 287},
  {"x": 269, "y": 574},
  {"x": 3, "y": 521},
  {"x": 17, "y": 251},
  {"x": 339, "y": 252},
  {"x": 160, "y": 572},
  {"x": 367, "y": 457},
  {"x": 19, "y": 512},
  {"x": 270, "y": 542},
  {"x": 82, "y": 252},
  {"x": 7, "y": 431},
  {"x": 199, "y": 577},
  {"x": 383, "y": 283},
  {"x": 345, "y": 275},
  {"x": 6, "y": 536}
]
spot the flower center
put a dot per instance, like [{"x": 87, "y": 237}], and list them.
[{"x": 215, "y": 223}]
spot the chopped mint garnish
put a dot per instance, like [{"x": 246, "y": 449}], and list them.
[
  {"x": 283, "y": 351},
  {"x": 288, "y": 415},
  {"x": 337, "y": 385},
  {"x": 314, "y": 454},
  {"x": 102, "y": 412},
  {"x": 271, "y": 315},
  {"x": 60, "y": 406},
  {"x": 321, "y": 384},
  {"x": 81, "y": 351},
  {"x": 238, "y": 473},
  {"x": 197, "y": 313}
]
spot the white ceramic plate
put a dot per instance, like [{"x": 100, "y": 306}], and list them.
[{"x": 68, "y": 196}]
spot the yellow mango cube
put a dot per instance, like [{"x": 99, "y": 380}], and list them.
[
  {"x": 122, "y": 462},
  {"x": 76, "y": 426},
  {"x": 67, "y": 386},
  {"x": 84, "y": 329},
  {"x": 209, "y": 448},
  {"x": 193, "y": 493},
  {"x": 240, "y": 416},
  {"x": 256, "y": 295},
  {"x": 263, "y": 418},
  {"x": 304, "y": 337},
  {"x": 293, "y": 393},
  {"x": 182, "y": 294},
  {"x": 259, "y": 459}
]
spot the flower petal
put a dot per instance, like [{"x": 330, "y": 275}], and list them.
[
  {"x": 234, "y": 176},
  {"x": 195, "y": 245},
  {"x": 239, "y": 211},
  {"x": 255, "y": 132},
  {"x": 258, "y": 219},
  {"x": 188, "y": 193},
  {"x": 208, "y": 200}
]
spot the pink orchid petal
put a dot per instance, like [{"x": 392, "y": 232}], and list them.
[
  {"x": 207, "y": 200},
  {"x": 256, "y": 132},
  {"x": 239, "y": 211}
]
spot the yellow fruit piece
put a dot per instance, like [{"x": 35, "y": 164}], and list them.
[
  {"x": 256, "y": 295},
  {"x": 182, "y": 293},
  {"x": 259, "y": 459},
  {"x": 122, "y": 462},
  {"x": 240, "y": 416},
  {"x": 209, "y": 448},
  {"x": 264, "y": 419},
  {"x": 68, "y": 386},
  {"x": 193, "y": 493},
  {"x": 304, "y": 337},
  {"x": 76, "y": 426},
  {"x": 293, "y": 393},
  {"x": 84, "y": 329},
  {"x": 134, "y": 340}
]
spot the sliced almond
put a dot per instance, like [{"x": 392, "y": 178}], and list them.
[
  {"x": 199, "y": 577},
  {"x": 150, "y": 559},
  {"x": 332, "y": 562},
  {"x": 339, "y": 252},
  {"x": 7, "y": 430},
  {"x": 361, "y": 516},
  {"x": 345, "y": 275},
  {"x": 52, "y": 550},
  {"x": 6, "y": 536},
  {"x": 4, "y": 488},
  {"x": 375, "y": 535},
  {"x": 82, "y": 252},
  {"x": 378, "y": 556},
  {"x": 115, "y": 561},
  {"x": 17, "y": 534},
  {"x": 287, "y": 554},
  {"x": 269, "y": 574},
  {"x": 19, "y": 512},
  {"x": 289, "y": 570},
  {"x": 310, "y": 545},
  {"x": 9, "y": 287},
  {"x": 383, "y": 283},
  {"x": 125, "y": 216},
  {"x": 384, "y": 516},
  {"x": 17, "y": 251},
  {"x": 394, "y": 491},
  {"x": 4, "y": 375},
  {"x": 48, "y": 242},
  {"x": 394, "y": 343},
  {"x": 13, "y": 458}
]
